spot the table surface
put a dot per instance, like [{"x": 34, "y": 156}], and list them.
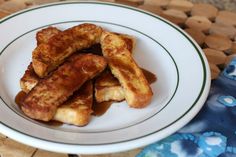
[{"x": 214, "y": 31}]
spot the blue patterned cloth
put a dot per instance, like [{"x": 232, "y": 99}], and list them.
[{"x": 212, "y": 133}]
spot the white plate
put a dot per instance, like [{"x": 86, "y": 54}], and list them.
[{"x": 182, "y": 86}]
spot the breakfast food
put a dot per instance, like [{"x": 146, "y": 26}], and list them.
[
  {"x": 137, "y": 91},
  {"x": 68, "y": 76},
  {"x": 42, "y": 101},
  {"x": 48, "y": 56},
  {"x": 30, "y": 78},
  {"x": 76, "y": 110}
]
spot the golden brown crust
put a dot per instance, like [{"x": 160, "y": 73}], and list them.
[
  {"x": 137, "y": 91},
  {"x": 77, "y": 109},
  {"x": 42, "y": 101},
  {"x": 48, "y": 56}
]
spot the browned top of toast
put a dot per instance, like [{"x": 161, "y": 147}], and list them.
[
  {"x": 43, "y": 100},
  {"x": 48, "y": 56},
  {"x": 137, "y": 91}
]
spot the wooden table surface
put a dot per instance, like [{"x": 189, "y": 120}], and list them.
[{"x": 214, "y": 30}]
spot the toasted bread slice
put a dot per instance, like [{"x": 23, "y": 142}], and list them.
[
  {"x": 137, "y": 91},
  {"x": 43, "y": 100},
  {"x": 48, "y": 56},
  {"x": 107, "y": 88},
  {"x": 30, "y": 78},
  {"x": 77, "y": 109}
]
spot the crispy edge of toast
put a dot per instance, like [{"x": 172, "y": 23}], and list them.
[{"x": 138, "y": 92}]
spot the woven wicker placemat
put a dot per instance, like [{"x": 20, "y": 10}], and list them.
[{"x": 213, "y": 29}]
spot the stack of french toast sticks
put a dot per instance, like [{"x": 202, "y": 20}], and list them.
[{"x": 65, "y": 76}]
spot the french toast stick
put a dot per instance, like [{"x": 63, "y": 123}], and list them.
[
  {"x": 43, "y": 100},
  {"x": 74, "y": 111},
  {"x": 48, "y": 56},
  {"x": 107, "y": 87},
  {"x": 137, "y": 91},
  {"x": 77, "y": 109},
  {"x": 30, "y": 78}
]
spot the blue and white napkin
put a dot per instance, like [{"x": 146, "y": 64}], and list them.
[{"x": 212, "y": 133}]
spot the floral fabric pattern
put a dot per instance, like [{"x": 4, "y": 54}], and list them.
[{"x": 212, "y": 133}]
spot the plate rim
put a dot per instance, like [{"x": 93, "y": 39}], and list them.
[{"x": 202, "y": 94}]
